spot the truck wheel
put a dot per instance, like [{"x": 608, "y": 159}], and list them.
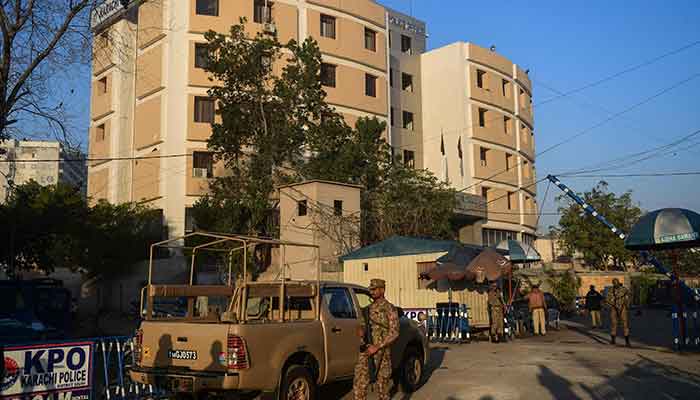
[
  {"x": 297, "y": 384},
  {"x": 411, "y": 374}
]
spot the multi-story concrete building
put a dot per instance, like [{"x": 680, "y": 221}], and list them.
[
  {"x": 478, "y": 136},
  {"x": 149, "y": 96},
  {"x": 45, "y": 162}
]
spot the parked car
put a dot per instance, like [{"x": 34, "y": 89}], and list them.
[
  {"x": 41, "y": 305},
  {"x": 284, "y": 337}
]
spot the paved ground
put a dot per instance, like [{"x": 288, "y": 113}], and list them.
[{"x": 572, "y": 363}]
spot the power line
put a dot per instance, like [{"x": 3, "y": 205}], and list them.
[
  {"x": 617, "y": 74},
  {"x": 590, "y": 128},
  {"x": 636, "y": 175},
  {"x": 87, "y": 159}
]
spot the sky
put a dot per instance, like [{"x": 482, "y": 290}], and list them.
[
  {"x": 567, "y": 48},
  {"x": 571, "y": 46}
]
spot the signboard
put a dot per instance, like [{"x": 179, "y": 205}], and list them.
[
  {"x": 412, "y": 313},
  {"x": 407, "y": 25},
  {"x": 48, "y": 372},
  {"x": 107, "y": 10}
]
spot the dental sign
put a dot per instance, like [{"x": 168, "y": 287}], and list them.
[
  {"x": 107, "y": 10},
  {"x": 47, "y": 372}
]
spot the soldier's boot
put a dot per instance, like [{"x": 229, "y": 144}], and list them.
[
  {"x": 627, "y": 341},
  {"x": 612, "y": 339}
]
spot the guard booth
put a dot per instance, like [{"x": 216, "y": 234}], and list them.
[{"x": 400, "y": 261}]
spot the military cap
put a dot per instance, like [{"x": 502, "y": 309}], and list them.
[{"x": 377, "y": 283}]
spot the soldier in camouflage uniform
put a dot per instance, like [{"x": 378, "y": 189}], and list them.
[
  {"x": 384, "y": 323},
  {"x": 497, "y": 311},
  {"x": 618, "y": 299}
]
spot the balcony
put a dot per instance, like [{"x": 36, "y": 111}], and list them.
[{"x": 469, "y": 208}]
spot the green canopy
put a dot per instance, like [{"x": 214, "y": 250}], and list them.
[{"x": 667, "y": 228}]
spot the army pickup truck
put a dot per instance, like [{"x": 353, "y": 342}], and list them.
[{"x": 284, "y": 337}]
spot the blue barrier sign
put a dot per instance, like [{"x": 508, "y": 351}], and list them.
[{"x": 48, "y": 372}]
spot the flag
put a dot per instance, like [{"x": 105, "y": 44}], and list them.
[
  {"x": 445, "y": 175},
  {"x": 461, "y": 156}
]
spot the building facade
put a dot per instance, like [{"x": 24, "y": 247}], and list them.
[
  {"x": 149, "y": 94},
  {"x": 149, "y": 99},
  {"x": 478, "y": 136},
  {"x": 45, "y": 162}
]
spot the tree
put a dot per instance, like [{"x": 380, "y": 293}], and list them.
[
  {"x": 580, "y": 231},
  {"x": 275, "y": 127},
  {"x": 40, "y": 39},
  {"x": 688, "y": 260},
  {"x": 565, "y": 288},
  {"x": 50, "y": 227}
]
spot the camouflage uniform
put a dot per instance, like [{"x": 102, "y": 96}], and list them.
[
  {"x": 384, "y": 321},
  {"x": 618, "y": 298},
  {"x": 496, "y": 306}
]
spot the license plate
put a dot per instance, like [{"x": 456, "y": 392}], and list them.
[{"x": 182, "y": 354}]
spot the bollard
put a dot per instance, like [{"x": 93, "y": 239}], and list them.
[
  {"x": 676, "y": 328},
  {"x": 696, "y": 328}
]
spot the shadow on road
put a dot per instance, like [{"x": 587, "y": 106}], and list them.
[
  {"x": 339, "y": 390},
  {"x": 644, "y": 378}
]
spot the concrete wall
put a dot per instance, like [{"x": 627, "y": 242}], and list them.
[{"x": 335, "y": 235}]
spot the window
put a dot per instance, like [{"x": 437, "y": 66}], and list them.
[
  {"x": 328, "y": 75},
  {"x": 526, "y": 169},
  {"x": 509, "y": 161},
  {"x": 339, "y": 303},
  {"x": 262, "y": 11},
  {"x": 406, "y": 82},
  {"x": 338, "y": 207},
  {"x": 208, "y": 7},
  {"x": 527, "y": 203},
  {"x": 327, "y": 26},
  {"x": 406, "y": 44},
  {"x": 409, "y": 159},
  {"x": 391, "y": 115},
  {"x": 102, "y": 85},
  {"x": 203, "y": 109},
  {"x": 482, "y": 156},
  {"x": 391, "y": 77},
  {"x": 491, "y": 237},
  {"x": 190, "y": 224},
  {"x": 302, "y": 208},
  {"x": 100, "y": 133},
  {"x": 407, "y": 120},
  {"x": 482, "y": 117},
  {"x": 504, "y": 88},
  {"x": 363, "y": 298},
  {"x": 201, "y": 55},
  {"x": 480, "y": 75},
  {"x": 370, "y": 39},
  {"x": 423, "y": 268},
  {"x": 485, "y": 193},
  {"x": 524, "y": 135},
  {"x": 506, "y": 125},
  {"x": 202, "y": 164},
  {"x": 370, "y": 85},
  {"x": 509, "y": 197},
  {"x": 365, "y": 267}
]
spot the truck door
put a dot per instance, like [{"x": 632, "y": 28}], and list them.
[{"x": 340, "y": 325}]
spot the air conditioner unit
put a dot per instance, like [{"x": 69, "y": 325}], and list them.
[
  {"x": 269, "y": 28},
  {"x": 199, "y": 172}
]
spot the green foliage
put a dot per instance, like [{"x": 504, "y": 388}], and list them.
[
  {"x": 275, "y": 127},
  {"x": 565, "y": 288},
  {"x": 642, "y": 284},
  {"x": 49, "y": 227},
  {"x": 688, "y": 260},
  {"x": 579, "y": 231}
]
